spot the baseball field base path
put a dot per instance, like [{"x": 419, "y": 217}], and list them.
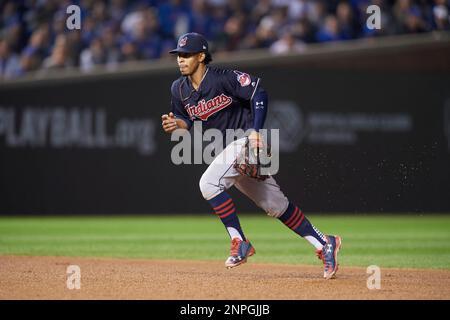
[{"x": 46, "y": 278}]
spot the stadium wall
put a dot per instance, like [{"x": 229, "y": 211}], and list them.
[{"x": 364, "y": 127}]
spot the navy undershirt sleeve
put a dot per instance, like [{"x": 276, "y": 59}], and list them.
[{"x": 259, "y": 108}]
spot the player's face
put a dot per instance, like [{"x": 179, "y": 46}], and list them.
[{"x": 188, "y": 62}]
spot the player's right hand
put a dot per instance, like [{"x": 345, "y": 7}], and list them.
[
  {"x": 256, "y": 140},
  {"x": 169, "y": 123}
]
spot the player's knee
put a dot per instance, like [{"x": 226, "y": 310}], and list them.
[
  {"x": 274, "y": 212},
  {"x": 208, "y": 189},
  {"x": 274, "y": 208}
]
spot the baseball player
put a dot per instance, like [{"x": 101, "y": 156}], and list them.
[{"x": 231, "y": 99}]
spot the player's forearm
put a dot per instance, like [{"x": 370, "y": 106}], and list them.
[
  {"x": 181, "y": 124},
  {"x": 176, "y": 124}
]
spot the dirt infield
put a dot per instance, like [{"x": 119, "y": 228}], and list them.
[{"x": 46, "y": 278}]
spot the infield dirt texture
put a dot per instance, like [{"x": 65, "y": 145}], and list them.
[{"x": 183, "y": 258}]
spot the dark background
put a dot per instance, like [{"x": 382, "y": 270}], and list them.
[{"x": 380, "y": 172}]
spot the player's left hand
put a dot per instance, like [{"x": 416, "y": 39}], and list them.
[{"x": 248, "y": 160}]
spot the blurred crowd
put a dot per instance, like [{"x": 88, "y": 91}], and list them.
[{"x": 34, "y": 35}]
